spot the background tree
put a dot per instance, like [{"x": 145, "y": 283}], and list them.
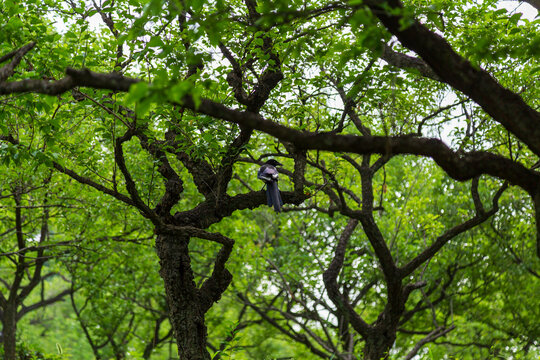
[{"x": 29, "y": 247}]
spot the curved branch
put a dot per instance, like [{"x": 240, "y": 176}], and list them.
[
  {"x": 212, "y": 289},
  {"x": 95, "y": 185},
  {"x": 432, "y": 336},
  {"x": 458, "y": 165},
  {"x": 174, "y": 185},
  {"x": 503, "y": 105},
  {"x": 229, "y": 205},
  {"x": 404, "y": 61},
  {"x": 73, "y": 78},
  {"x": 130, "y": 184},
  {"x": 330, "y": 282},
  {"x": 294, "y": 336},
  {"x": 58, "y": 297},
  {"x": 17, "y": 55},
  {"x": 382, "y": 251},
  {"x": 450, "y": 234},
  {"x": 192, "y": 231}
]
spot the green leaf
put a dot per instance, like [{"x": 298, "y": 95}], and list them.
[
  {"x": 155, "y": 41},
  {"x": 258, "y": 41},
  {"x": 515, "y": 18},
  {"x": 534, "y": 70},
  {"x": 143, "y": 107},
  {"x": 136, "y": 92},
  {"x": 177, "y": 92}
]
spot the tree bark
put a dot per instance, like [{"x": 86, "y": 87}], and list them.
[
  {"x": 378, "y": 345},
  {"x": 9, "y": 330},
  {"x": 185, "y": 307}
]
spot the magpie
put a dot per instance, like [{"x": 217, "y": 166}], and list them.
[{"x": 269, "y": 174}]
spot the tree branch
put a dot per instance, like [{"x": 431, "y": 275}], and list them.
[
  {"x": 460, "y": 166},
  {"x": 432, "y": 336},
  {"x": 296, "y": 337},
  {"x": 74, "y": 78},
  {"x": 26, "y": 309},
  {"x": 174, "y": 185},
  {"x": 130, "y": 184},
  {"x": 212, "y": 289},
  {"x": 404, "y": 61},
  {"x": 330, "y": 282},
  {"x": 504, "y": 106},
  {"x": 7, "y": 70},
  {"x": 450, "y": 234}
]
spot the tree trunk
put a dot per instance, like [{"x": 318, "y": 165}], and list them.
[
  {"x": 378, "y": 345},
  {"x": 9, "y": 330},
  {"x": 185, "y": 308}
]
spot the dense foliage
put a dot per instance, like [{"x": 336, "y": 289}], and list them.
[{"x": 133, "y": 225}]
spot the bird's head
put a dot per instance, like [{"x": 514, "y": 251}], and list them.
[{"x": 273, "y": 162}]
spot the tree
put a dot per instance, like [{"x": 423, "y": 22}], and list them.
[
  {"x": 193, "y": 115},
  {"x": 329, "y": 327},
  {"x": 27, "y": 249},
  {"x": 187, "y": 303}
]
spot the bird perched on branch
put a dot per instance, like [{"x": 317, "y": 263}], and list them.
[{"x": 269, "y": 174}]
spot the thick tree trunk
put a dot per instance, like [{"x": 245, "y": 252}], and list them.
[
  {"x": 9, "y": 331},
  {"x": 185, "y": 308},
  {"x": 378, "y": 345}
]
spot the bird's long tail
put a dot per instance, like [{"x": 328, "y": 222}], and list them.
[{"x": 273, "y": 196}]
